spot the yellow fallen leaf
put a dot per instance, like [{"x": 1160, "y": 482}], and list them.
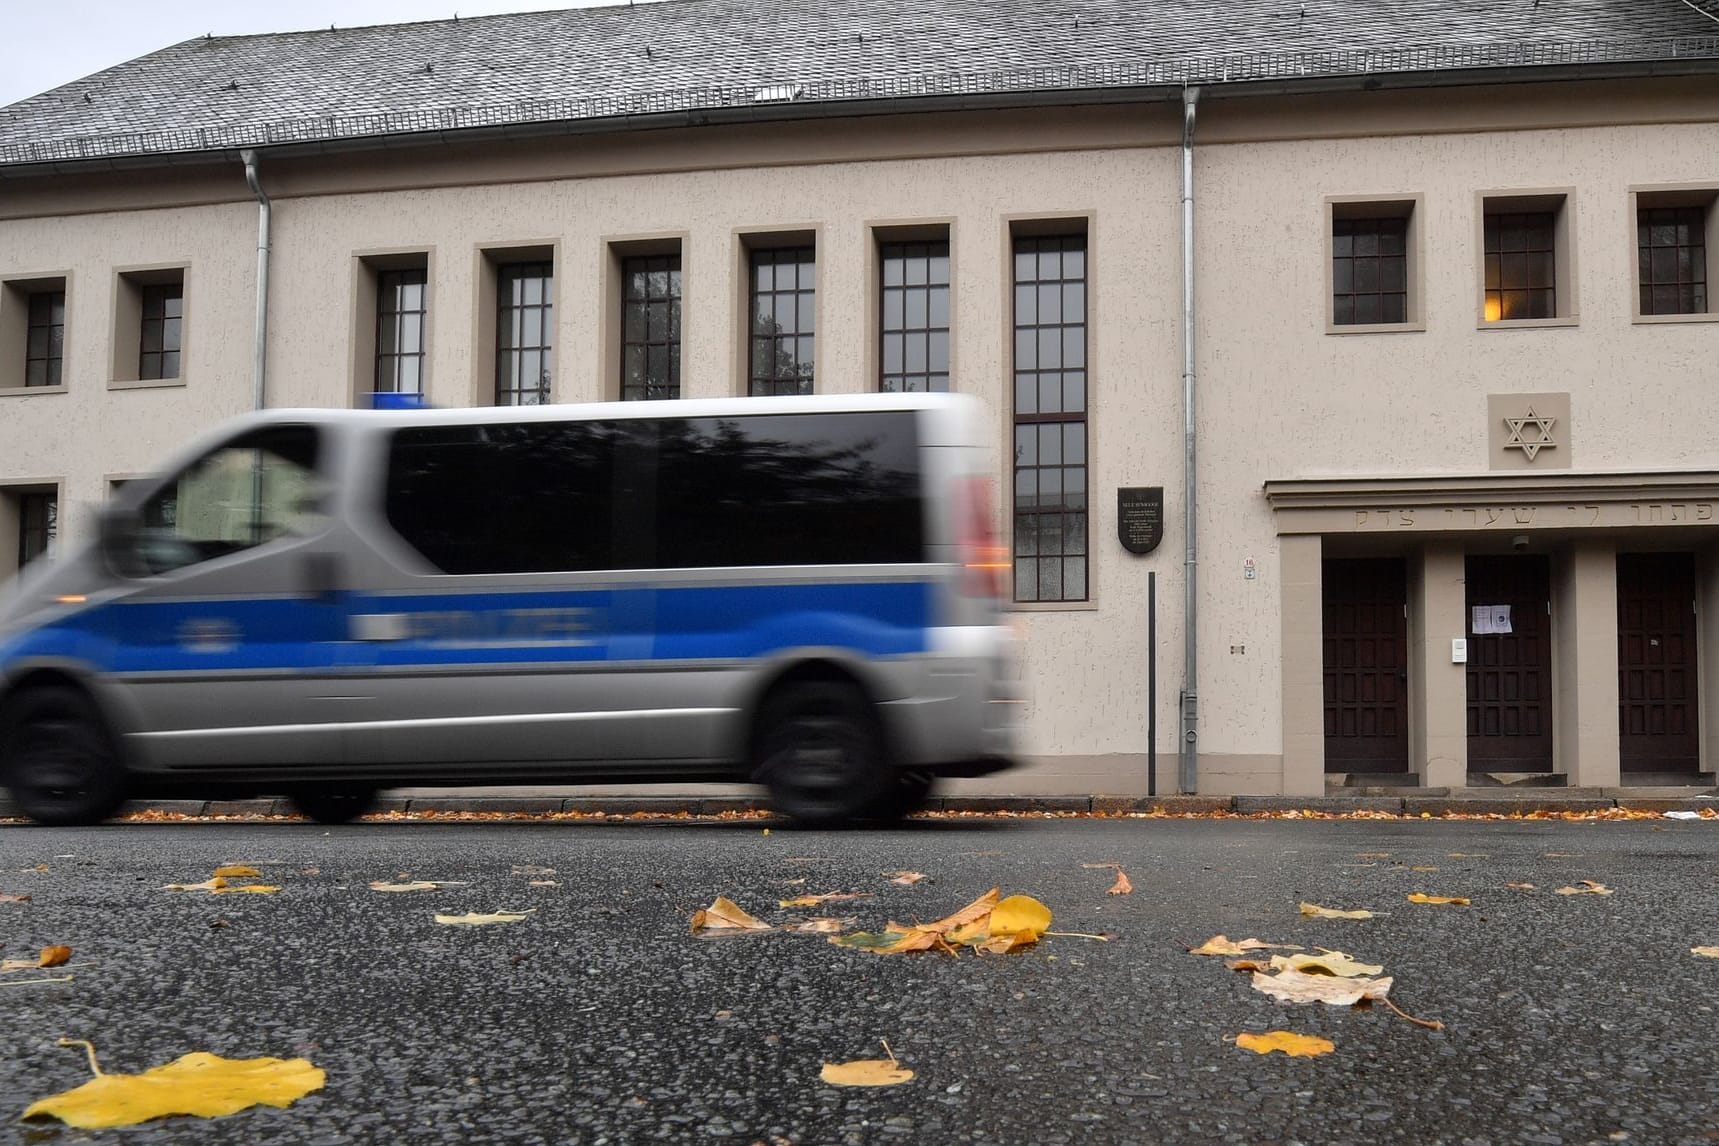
[
  {"x": 1423, "y": 868},
  {"x": 1326, "y": 963},
  {"x": 1019, "y": 915},
  {"x": 237, "y": 871},
  {"x": 1589, "y": 887},
  {"x": 978, "y": 909},
  {"x": 825, "y": 925},
  {"x": 1705, "y": 952},
  {"x": 542, "y": 883},
  {"x": 200, "y": 1084},
  {"x": 1296, "y": 987},
  {"x": 14, "y": 899},
  {"x": 1121, "y": 886},
  {"x": 1294, "y": 1045},
  {"x": 906, "y": 878},
  {"x": 867, "y": 1071},
  {"x": 725, "y": 915},
  {"x": 1455, "y": 900},
  {"x": 1521, "y": 886},
  {"x": 1314, "y": 911},
  {"x": 54, "y": 956},
  {"x": 1247, "y": 965},
  {"x": 473, "y": 919},
  {"x": 410, "y": 885},
  {"x": 1224, "y": 945},
  {"x": 214, "y": 883},
  {"x": 892, "y": 942},
  {"x": 256, "y": 888}
]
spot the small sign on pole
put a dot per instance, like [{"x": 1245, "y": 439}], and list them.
[{"x": 1140, "y": 517}]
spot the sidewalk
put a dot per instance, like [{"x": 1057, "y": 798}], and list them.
[{"x": 1433, "y": 802}]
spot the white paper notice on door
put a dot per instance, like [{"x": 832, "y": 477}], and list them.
[{"x": 1489, "y": 619}]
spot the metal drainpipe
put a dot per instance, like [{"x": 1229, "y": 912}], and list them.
[
  {"x": 260, "y": 371},
  {"x": 1188, "y": 763}
]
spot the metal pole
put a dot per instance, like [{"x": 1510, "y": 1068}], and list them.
[
  {"x": 260, "y": 351},
  {"x": 1187, "y": 777},
  {"x": 1152, "y": 683}
]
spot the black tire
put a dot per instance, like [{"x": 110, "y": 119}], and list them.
[
  {"x": 334, "y": 805},
  {"x": 907, "y": 794},
  {"x": 821, "y": 754},
  {"x": 58, "y": 759}
]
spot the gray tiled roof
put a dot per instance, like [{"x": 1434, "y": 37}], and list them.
[{"x": 684, "y": 55}]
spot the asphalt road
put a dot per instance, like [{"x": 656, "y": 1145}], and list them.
[{"x": 600, "y": 1018}]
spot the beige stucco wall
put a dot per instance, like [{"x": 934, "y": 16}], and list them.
[{"x": 1278, "y": 396}]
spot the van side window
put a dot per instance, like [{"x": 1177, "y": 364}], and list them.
[
  {"x": 523, "y": 498},
  {"x": 240, "y": 495},
  {"x": 789, "y": 489}
]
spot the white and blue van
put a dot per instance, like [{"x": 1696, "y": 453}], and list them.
[{"x": 801, "y": 592}]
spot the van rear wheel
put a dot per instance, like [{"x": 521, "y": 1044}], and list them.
[
  {"x": 334, "y": 805},
  {"x": 58, "y": 760},
  {"x": 821, "y": 755}
]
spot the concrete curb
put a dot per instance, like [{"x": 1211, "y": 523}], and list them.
[{"x": 1524, "y": 803}]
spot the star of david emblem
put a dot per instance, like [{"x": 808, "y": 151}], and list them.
[{"x": 1530, "y": 434}]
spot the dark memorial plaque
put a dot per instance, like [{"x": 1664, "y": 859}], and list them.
[{"x": 1140, "y": 517}]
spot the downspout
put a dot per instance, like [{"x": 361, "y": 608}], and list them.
[
  {"x": 1188, "y": 765},
  {"x": 260, "y": 368}
]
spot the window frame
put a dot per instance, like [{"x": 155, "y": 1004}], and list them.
[
  {"x": 17, "y": 295},
  {"x": 921, "y": 242},
  {"x": 128, "y": 331},
  {"x": 1015, "y": 231},
  {"x": 23, "y": 498},
  {"x": 1410, "y": 207},
  {"x": 1561, "y": 203},
  {"x": 369, "y": 269},
  {"x": 1703, "y": 195},
  {"x": 672, "y": 345},
  {"x": 546, "y": 308},
  {"x": 754, "y": 242}
]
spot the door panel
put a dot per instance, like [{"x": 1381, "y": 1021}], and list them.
[
  {"x": 1509, "y": 674},
  {"x": 1657, "y": 688},
  {"x": 1366, "y": 650}
]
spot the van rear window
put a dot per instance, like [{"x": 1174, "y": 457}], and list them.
[{"x": 674, "y": 493}]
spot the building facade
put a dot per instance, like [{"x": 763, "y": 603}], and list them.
[{"x": 1452, "y": 353}]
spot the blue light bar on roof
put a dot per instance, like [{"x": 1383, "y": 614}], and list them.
[{"x": 387, "y": 400}]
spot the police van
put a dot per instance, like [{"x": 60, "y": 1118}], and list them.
[{"x": 799, "y": 592}]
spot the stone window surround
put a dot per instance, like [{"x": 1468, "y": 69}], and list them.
[
  {"x": 616, "y": 250},
  {"x": 367, "y": 265},
  {"x": 487, "y": 260},
  {"x": 127, "y": 318},
  {"x": 1562, "y": 202},
  {"x": 15, "y": 292},
  {"x": 11, "y": 517},
  {"x": 1408, "y": 206},
  {"x": 1673, "y": 195},
  {"x": 743, "y": 241}
]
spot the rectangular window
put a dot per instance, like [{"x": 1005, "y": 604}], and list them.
[
  {"x": 525, "y": 320},
  {"x": 402, "y": 306},
  {"x": 1521, "y": 265},
  {"x": 158, "y": 340},
  {"x": 650, "y": 327},
  {"x": 913, "y": 298},
  {"x": 1671, "y": 244},
  {"x": 45, "y": 338},
  {"x": 38, "y": 521},
  {"x": 1369, "y": 271},
  {"x": 1050, "y": 279},
  {"x": 782, "y": 321}
]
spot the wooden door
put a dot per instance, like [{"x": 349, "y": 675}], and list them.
[
  {"x": 1509, "y": 674},
  {"x": 1657, "y": 695},
  {"x": 1366, "y": 651}
]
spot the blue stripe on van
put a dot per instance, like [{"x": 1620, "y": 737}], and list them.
[{"x": 873, "y": 619}]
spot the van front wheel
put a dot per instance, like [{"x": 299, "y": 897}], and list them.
[
  {"x": 821, "y": 754},
  {"x": 58, "y": 760}
]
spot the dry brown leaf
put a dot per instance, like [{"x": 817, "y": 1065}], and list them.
[
  {"x": 1373, "y": 855},
  {"x": 1453, "y": 900},
  {"x": 823, "y": 925},
  {"x": 725, "y": 915},
  {"x": 54, "y": 956},
  {"x": 1247, "y": 965},
  {"x": 215, "y": 883},
  {"x": 827, "y": 897},
  {"x": 1521, "y": 886},
  {"x": 1314, "y": 911},
  {"x": 1334, "y": 963},
  {"x": 473, "y": 919},
  {"x": 1296, "y": 987},
  {"x": 14, "y": 899},
  {"x": 237, "y": 871},
  {"x": 1294, "y": 1045},
  {"x": 255, "y": 888},
  {"x": 905, "y": 878},
  {"x": 1705, "y": 952},
  {"x": 409, "y": 885},
  {"x": 867, "y": 1071},
  {"x": 978, "y": 909},
  {"x": 1589, "y": 887},
  {"x": 1423, "y": 867},
  {"x": 1121, "y": 886},
  {"x": 531, "y": 869},
  {"x": 542, "y": 883}
]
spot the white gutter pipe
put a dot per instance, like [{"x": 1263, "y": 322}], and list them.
[
  {"x": 1188, "y": 763},
  {"x": 260, "y": 370}
]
